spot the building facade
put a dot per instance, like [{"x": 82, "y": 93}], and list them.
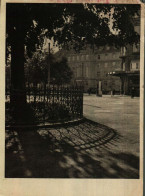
[
  {"x": 129, "y": 72},
  {"x": 91, "y": 66}
]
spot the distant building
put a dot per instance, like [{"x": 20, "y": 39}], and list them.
[
  {"x": 129, "y": 72},
  {"x": 92, "y": 65}
]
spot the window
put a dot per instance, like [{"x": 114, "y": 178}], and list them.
[
  {"x": 77, "y": 71},
  {"x": 105, "y": 73},
  {"x": 113, "y": 55},
  {"x": 87, "y": 57},
  {"x": 86, "y": 70},
  {"x": 113, "y": 63},
  {"x": 123, "y": 66},
  {"x": 137, "y": 65},
  {"x": 98, "y": 65},
  {"x": 98, "y": 56},
  {"x": 106, "y": 65},
  {"x": 117, "y": 55},
  {"x": 83, "y": 57},
  {"x": 91, "y": 57},
  {"x": 106, "y": 56},
  {"x": 73, "y": 58},
  {"x": 131, "y": 66},
  {"x": 98, "y": 73},
  {"x": 77, "y": 58}
]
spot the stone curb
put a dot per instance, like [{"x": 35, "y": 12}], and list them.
[{"x": 46, "y": 125}]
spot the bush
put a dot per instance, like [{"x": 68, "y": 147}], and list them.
[
  {"x": 51, "y": 111},
  {"x": 38, "y": 112}
]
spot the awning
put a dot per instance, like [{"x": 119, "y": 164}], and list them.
[{"x": 123, "y": 73}]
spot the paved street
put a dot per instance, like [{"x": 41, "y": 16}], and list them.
[{"x": 118, "y": 112}]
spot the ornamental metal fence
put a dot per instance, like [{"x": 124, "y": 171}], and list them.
[{"x": 53, "y": 103}]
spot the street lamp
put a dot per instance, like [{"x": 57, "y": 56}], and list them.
[
  {"x": 48, "y": 63},
  {"x": 83, "y": 75}
]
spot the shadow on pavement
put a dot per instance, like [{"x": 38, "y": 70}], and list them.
[{"x": 83, "y": 150}]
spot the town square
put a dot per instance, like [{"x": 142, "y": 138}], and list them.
[{"x": 72, "y": 91}]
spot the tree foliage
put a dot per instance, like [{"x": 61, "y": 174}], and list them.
[
  {"x": 37, "y": 68},
  {"x": 71, "y": 23},
  {"x": 60, "y": 72}
]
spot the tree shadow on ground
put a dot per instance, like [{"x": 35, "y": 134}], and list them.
[
  {"x": 83, "y": 150},
  {"x": 129, "y": 159}
]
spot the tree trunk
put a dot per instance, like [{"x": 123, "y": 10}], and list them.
[
  {"x": 17, "y": 68},
  {"x": 18, "y": 94}
]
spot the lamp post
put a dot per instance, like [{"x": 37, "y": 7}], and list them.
[
  {"x": 83, "y": 75},
  {"x": 48, "y": 63}
]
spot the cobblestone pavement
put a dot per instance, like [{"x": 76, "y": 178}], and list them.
[{"x": 83, "y": 150}]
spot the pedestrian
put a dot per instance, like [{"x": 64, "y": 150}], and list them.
[
  {"x": 96, "y": 91},
  {"x": 113, "y": 92},
  {"x": 132, "y": 92},
  {"x": 89, "y": 91}
]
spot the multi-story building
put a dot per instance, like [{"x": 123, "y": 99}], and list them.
[
  {"x": 129, "y": 72},
  {"x": 91, "y": 66}
]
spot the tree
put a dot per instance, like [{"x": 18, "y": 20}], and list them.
[
  {"x": 36, "y": 70},
  {"x": 80, "y": 24},
  {"x": 61, "y": 72}
]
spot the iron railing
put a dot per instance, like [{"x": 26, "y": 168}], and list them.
[{"x": 52, "y": 103}]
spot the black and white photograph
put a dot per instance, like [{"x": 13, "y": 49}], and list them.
[{"x": 72, "y": 90}]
